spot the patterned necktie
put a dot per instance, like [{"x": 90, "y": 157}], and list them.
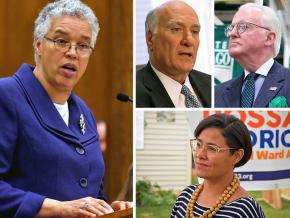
[
  {"x": 190, "y": 100},
  {"x": 248, "y": 93}
]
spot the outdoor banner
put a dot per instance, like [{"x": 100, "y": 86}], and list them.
[
  {"x": 225, "y": 67},
  {"x": 269, "y": 166}
]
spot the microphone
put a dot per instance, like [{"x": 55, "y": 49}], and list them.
[{"x": 123, "y": 97}]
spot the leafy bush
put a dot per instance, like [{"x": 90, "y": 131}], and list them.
[{"x": 152, "y": 195}]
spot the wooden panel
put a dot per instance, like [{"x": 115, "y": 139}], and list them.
[
  {"x": 109, "y": 71},
  {"x": 3, "y": 35},
  {"x": 121, "y": 67},
  {"x": 127, "y": 213}
]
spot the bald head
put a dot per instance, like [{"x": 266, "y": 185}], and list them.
[
  {"x": 160, "y": 13},
  {"x": 172, "y": 36}
]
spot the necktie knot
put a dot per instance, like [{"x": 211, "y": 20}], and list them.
[
  {"x": 190, "y": 100},
  {"x": 252, "y": 76},
  {"x": 248, "y": 93}
]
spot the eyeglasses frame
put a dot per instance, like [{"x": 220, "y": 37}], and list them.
[
  {"x": 219, "y": 149},
  {"x": 228, "y": 30},
  {"x": 69, "y": 47}
]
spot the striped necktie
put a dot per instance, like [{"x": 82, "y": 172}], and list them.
[
  {"x": 190, "y": 100},
  {"x": 248, "y": 93}
]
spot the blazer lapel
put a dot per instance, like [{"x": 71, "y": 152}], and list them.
[
  {"x": 42, "y": 105},
  {"x": 200, "y": 87},
  {"x": 75, "y": 120},
  {"x": 232, "y": 95},
  {"x": 274, "y": 81},
  {"x": 159, "y": 94}
]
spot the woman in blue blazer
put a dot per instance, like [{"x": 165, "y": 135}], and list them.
[{"x": 51, "y": 164}]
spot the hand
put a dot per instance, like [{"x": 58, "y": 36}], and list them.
[
  {"x": 81, "y": 208},
  {"x": 121, "y": 205},
  {"x": 85, "y": 207}
]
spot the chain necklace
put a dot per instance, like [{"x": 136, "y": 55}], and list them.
[{"x": 228, "y": 192}]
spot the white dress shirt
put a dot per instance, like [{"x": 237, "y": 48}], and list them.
[{"x": 173, "y": 88}]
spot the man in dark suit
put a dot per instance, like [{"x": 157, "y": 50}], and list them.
[
  {"x": 255, "y": 36},
  {"x": 168, "y": 80}
]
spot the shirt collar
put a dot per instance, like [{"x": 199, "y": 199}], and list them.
[
  {"x": 172, "y": 87},
  {"x": 263, "y": 69}
]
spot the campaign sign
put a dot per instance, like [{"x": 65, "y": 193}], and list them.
[{"x": 269, "y": 166}]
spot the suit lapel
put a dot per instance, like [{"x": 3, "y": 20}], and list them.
[
  {"x": 159, "y": 94},
  {"x": 75, "y": 112},
  {"x": 42, "y": 105},
  {"x": 199, "y": 86},
  {"x": 232, "y": 95},
  {"x": 274, "y": 81}
]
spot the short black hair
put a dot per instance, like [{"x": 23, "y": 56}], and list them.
[{"x": 233, "y": 129}]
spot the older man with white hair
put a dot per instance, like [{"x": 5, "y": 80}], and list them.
[{"x": 255, "y": 36}]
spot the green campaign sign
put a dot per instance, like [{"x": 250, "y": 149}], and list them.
[{"x": 225, "y": 67}]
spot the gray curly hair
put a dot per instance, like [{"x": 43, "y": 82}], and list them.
[{"x": 73, "y": 8}]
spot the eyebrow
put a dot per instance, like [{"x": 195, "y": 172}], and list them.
[
  {"x": 241, "y": 21},
  {"x": 179, "y": 22},
  {"x": 61, "y": 32},
  {"x": 209, "y": 143}
]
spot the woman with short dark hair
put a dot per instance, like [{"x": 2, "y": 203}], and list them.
[{"x": 222, "y": 142}]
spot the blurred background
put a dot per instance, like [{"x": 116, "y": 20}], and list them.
[{"x": 109, "y": 72}]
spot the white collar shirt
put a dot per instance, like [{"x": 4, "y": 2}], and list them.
[{"x": 173, "y": 88}]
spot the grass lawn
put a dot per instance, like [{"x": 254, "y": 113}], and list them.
[
  {"x": 164, "y": 211},
  {"x": 158, "y": 211},
  {"x": 268, "y": 210}
]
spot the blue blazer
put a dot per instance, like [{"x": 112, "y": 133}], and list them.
[
  {"x": 228, "y": 94},
  {"x": 39, "y": 155}
]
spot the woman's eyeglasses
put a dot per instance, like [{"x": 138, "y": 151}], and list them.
[
  {"x": 82, "y": 49},
  {"x": 197, "y": 145},
  {"x": 241, "y": 27}
]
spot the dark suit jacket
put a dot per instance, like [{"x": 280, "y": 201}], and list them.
[
  {"x": 228, "y": 94},
  {"x": 40, "y": 156},
  {"x": 150, "y": 92}
]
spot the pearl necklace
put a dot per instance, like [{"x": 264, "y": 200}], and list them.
[{"x": 228, "y": 192}]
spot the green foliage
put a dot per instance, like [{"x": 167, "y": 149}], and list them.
[{"x": 148, "y": 194}]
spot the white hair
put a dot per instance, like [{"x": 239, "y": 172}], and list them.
[
  {"x": 73, "y": 8},
  {"x": 270, "y": 20},
  {"x": 151, "y": 21}
]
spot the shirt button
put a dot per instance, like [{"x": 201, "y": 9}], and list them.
[
  {"x": 83, "y": 182},
  {"x": 80, "y": 150}
]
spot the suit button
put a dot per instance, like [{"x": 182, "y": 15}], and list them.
[
  {"x": 80, "y": 150},
  {"x": 83, "y": 182}
]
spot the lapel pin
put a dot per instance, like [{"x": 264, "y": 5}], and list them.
[
  {"x": 82, "y": 124},
  {"x": 273, "y": 88}
]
